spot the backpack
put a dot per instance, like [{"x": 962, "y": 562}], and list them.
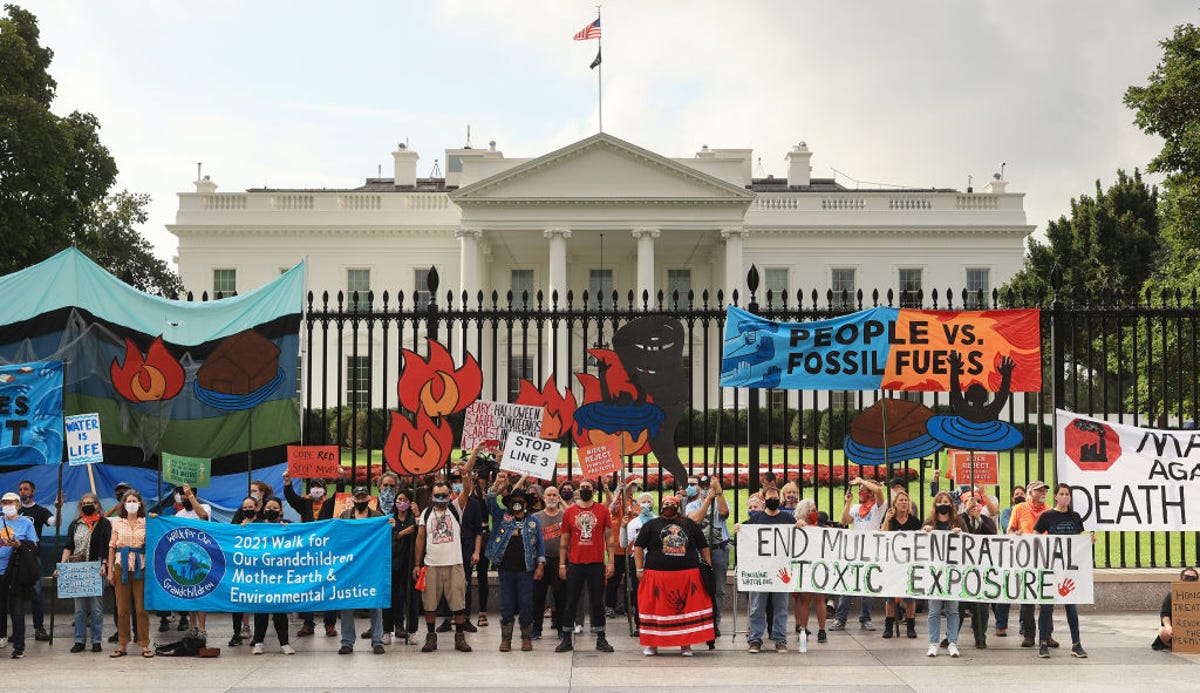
[{"x": 24, "y": 565}]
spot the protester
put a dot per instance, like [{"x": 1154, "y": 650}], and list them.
[
  {"x": 550, "y": 520},
  {"x": 518, "y": 551},
  {"x": 15, "y": 529},
  {"x": 1162, "y": 640},
  {"x": 1060, "y": 519},
  {"x": 401, "y": 617},
  {"x": 119, "y": 494},
  {"x": 586, "y": 543},
  {"x": 360, "y": 511},
  {"x": 943, "y": 517},
  {"x": 622, "y": 508},
  {"x": 314, "y": 505},
  {"x": 974, "y": 521},
  {"x": 126, "y": 568},
  {"x": 42, "y": 518},
  {"x": 272, "y": 512},
  {"x": 711, "y": 512},
  {"x": 478, "y": 496},
  {"x": 246, "y": 513},
  {"x": 187, "y": 506},
  {"x": 259, "y": 491},
  {"x": 474, "y": 527},
  {"x": 768, "y": 480},
  {"x": 772, "y": 514},
  {"x": 1001, "y": 610},
  {"x": 87, "y": 540},
  {"x": 674, "y": 606},
  {"x": 1022, "y": 521},
  {"x": 754, "y": 504},
  {"x": 439, "y": 549},
  {"x": 802, "y": 602},
  {"x": 865, "y": 515},
  {"x": 900, "y": 518},
  {"x": 628, "y": 537}
]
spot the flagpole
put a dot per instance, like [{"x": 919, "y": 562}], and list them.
[{"x": 600, "y": 71}]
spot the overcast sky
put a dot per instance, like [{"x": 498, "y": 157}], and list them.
[{"x": 317, "y": 94}]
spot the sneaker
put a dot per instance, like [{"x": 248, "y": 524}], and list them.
[
  {"x": 330, "y": 630},
  {"x": 932, "y": 651},
  {"x": 686, "y": 650},
  {"x": 444, "y": 627},
  {"x": 235, "y": 641},
  {"x": 112, "y": 638},
  {"x": 469, "y": 627},
  {"x": 602, "y": 643},
  {"x": 3, "y": 643},
  {"x": 565, "y": 645},
  {"x": 1001, "y": 632},
  {"x": 430, "y": 643},
  {"x": 755, "y": 647},
  {"x": 1044, "y": 651},
  {"x": 387, "y": 638},
  {"x": 378, "y": 649},
  {"x": 1027, "y": 641},
  {"x": 460, "y": 643},
  {"x": 822, "y": 637},
  {"x": 1051, "y": 642},
  {"x": 365, "y": 635},
  {"x": 18, "y": 654},
  {"x": 1078, "y": 651},
  {"x": 78, "y": 647},
  {"x": 838, "y": 625},
  {"x": 610, "y": 612},
  {"x": 536, "y": 635},
  {"x": 346, "y": 649},
  {"x": 258, "y": 648},
  {"x": 781, "y": 647},
  {"x": 867, "y": 625},
  {"x": 578, "y": 629},
  {"x": 95, "y": 647},
  {"x": 183, "y": 623},
  {"x": 952, "y": 648},
  {"x": 287, "y": 649},
  {"x": 164, "y": 625},
  {"x": 41, "y": 635},
  {"x": 305, "y": 631},
  {"x": 649, "y": 650}
]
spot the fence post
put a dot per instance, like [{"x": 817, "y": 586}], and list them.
[
  {"x": 755, "y": 414},
  {"x": 431, "y": 320},
  {"x": 1057, "y": 364}
]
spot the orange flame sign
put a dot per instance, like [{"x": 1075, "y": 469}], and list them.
[
  {"x": 435, "y": 387},
  {"x": 558, "y": 411},
  {"x": 417, "y": 449},
  {"x": 156, "y": 377}
]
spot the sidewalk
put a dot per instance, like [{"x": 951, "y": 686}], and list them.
[{"x": 1118, "y": 644}]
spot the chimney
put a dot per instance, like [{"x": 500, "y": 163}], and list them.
[
  {"x": 205, "y": 185},
  {"x": 406, "y": 167},
  {"x": 996, "y": 186},
  {"x": 799, "y": 170}
]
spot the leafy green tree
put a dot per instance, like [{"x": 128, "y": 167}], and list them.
[{"x": 109, "y": 238}]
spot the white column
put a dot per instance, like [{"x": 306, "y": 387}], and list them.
[
  {"x": 468, "y": 262},
  {"x": 645, "y": 262},
  {"x": 557, "y": 281},
  {"x": 735, "y": 275}
]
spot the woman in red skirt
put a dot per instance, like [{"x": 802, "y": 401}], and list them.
[{"x": 674, "y": 607}]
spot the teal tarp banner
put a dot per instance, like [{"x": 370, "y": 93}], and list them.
[
  {"x": 266, "y": 567},
  {"x": 31, "y": 413}
]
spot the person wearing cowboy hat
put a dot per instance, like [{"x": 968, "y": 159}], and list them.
[{"x": 518, "y": 551}]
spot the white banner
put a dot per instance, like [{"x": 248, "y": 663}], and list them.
[
  {"x": 528, "y": 455},
  {"x": 925, "y": 565},
  {"x": 84, "y": 445},
  {"x": 1128, "y": 478},
  {"x": 486, "y": 421}
]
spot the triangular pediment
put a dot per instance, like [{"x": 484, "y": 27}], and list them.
[{"x": 601, "y": 168}]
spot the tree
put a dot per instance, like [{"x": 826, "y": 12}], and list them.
[{"x": 55, "y": 173}]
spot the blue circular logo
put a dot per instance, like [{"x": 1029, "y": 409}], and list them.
[{"x": 188, "y": 563}]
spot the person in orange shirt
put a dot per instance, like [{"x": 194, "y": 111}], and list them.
[{"x": 1022, "y": 520}]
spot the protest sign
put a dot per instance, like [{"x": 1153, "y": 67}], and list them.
[
  {"x": 1045, "y": 569},
  {"x": 528, "y": 455},
  {"x": 84, "y": 445},
  {"x": 79, "y": 580},
  {"x": 603, "y": 458},
  {"x": 180, "y": 470},
  {"x": 486, "y": 421},
  {"x": 882, "y": 348},
  {"x": 978, "y": 467},
  {"x": 31, "y": 416},
  {"x": 264, "y": 567},
  {"x": 1185, "y": 617},
  {"x": 1129, "y": 478},
  {"x": 313, "y": 461}
]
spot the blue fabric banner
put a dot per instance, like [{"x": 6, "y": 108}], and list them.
[
  {"x": 31, "y": 413},
  {"x": 266, "y": 567}
]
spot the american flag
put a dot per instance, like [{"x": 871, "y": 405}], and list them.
[{"x": 591, "y": 31}]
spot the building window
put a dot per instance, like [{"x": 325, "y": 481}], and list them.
[
  {"x": 777, "y": 399},
  {"x": 224, "y": 282},
  {"x": 678, "y": 280},
  {"x": 521, "y": 282},
  {"x": 841, "y": 281},
  {"x": 600, "y": 286},
  {"x": 358, "y": 381},
  {"x": 519, "y": 368},
  {"x": 978, "y": 289},
  {"x": 843, "y": 399},
  {"x": 775, "y": 282},
  {"x": 420, "y": 288},
  {"x": 910, "y": 288},
  {"x": 358, "y": 280}
]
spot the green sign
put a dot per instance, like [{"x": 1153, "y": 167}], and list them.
[{"x": 180, "y": 470}]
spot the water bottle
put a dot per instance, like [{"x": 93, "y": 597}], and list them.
[{"x": 803, "y": 640}]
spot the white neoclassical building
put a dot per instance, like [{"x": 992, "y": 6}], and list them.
[{"x": 601, "y": 214}]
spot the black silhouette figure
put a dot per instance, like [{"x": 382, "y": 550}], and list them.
[
  {"x": 972, "y": 405},
  {"x": 1097, "y": 452},
  {"x": 651, "y": 350}
]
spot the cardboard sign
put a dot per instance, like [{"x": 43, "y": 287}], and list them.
[
  {"x": 986, "y": 467},
  {"x": 494, "y": 420},
  {"x": 180, "y": 470},
  {"x": 603, "y": 458},
  {"x": 345, "y": 501},
  {"x": 83, "y": 439},
  {"x": 79, "y": 580},
  {"x": 313, "y": 461},
  {"x": 1185, "y": 617},
  {"x": 528, "y": 455}
]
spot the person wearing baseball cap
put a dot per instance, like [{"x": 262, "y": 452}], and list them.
[
  {"x": 361, "y": 510},
  {"x": 1022, "y": 521}
]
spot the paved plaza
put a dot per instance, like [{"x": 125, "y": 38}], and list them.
[{"x": 1118, "y": 643}]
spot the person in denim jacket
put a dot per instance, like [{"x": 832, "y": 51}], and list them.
[{"x": 518, "y": 551}]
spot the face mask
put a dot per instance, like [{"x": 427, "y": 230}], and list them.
[
  {"x": 317, "y": 492},
  {"x": 813, "y": 518},
  {"x": 10, "y": 510},
  {"x": 249, "y": 513},
  {"x": 187, "y": 505},
  {"x": 772, "y": 503},
  {"x": 26, "y": 500},
  {"x": 441, "y": 500},
  {"x": 271, "y": 515},
  {"x": 87, "y": 509},
  {"x": 1018, "y": 499},
  {"x": 585, "y": 494},
  {"x": 256, "y": 496},
  {"x": 567, "y": 494},
  {"x": 457, "y": 488},
  {"x": 517, "y": 508},
  {"x": 387, "y": 496},
  {"x": 361, "y": 505},
  {"x": 669, "y": 510},
  {"x": 647, "y": 509},
  {"x": 944, "y": 509},
  {"x": 402, "y": 506},
  {"x": 792, "y": 500},
  {"x": 692, "y": 491},
  {"x": 131, "y": 508},
  {"x": 178, "y": 499},
  {"x": 1190, "y": 578}
]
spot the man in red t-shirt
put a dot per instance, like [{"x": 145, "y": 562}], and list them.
[
  {"x": 1022, "y": 520},
  {"x": 585, "y": 544}
]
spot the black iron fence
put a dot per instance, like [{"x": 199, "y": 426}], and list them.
[{"x": 1133, "y": 361}]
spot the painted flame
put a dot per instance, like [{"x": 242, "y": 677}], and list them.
[
  {"x": 418, "y": 449},
  {"x": 156, "y": 377},
  {"x": 434, "y": 386},
  {"x": 558, "y": 411}
]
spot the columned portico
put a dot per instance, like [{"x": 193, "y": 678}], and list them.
[
  {"x": 645, "y": 260},
  {"x": 557, "y": 281},
  {"x": 468, "y": 264},
  {"x": 735, "y": 276}
]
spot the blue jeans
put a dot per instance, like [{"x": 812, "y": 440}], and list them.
[
  {"x": 843, "y": 609},
  {"x": 935, "y": 620},
  {"x": 1046, "y": 622},
  {"x": 516, "y": 594},
  {"x": 758, "y": 616},
  {"x": 85, "y": 608},
  {"x": 720, "y": 564},
  {"x": 1000, "y": 611},
  {"x": 348, "y": 634}
]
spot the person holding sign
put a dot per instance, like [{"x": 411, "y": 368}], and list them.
[
  {"x": 865, "y": 515},
  {"x": 943, "y": 518},
  {"x": 272, "y": 511},
  {"x": 127, "y": 569},
  {"x": 674, "y": 607},
  {"x": 1162, "y": 641},
  {"x": 314, "y": 505},
  {"x": 711, "y": 512},
  {"x": 586, "y": 543},
  {"x": 1060, "y": 519},
  {"x": 900, "y": 518},
  {"x": 362, "y": 510},
  {"x": 87, "y": 540},
  {"x": 975, "y": 521},
  {"x": 773, "y": 514},
  {"x": 518, "y": 551},
  {"x": 1021, "y": 521}
]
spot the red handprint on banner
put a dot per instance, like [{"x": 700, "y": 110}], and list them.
[
  {"x": 1066, "y": 587},
  {"x": 785, "y": 575}
]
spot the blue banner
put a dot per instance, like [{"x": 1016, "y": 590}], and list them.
[
  {"x": 265, "y": 567},
  {"x": 31, "y": 413}
]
